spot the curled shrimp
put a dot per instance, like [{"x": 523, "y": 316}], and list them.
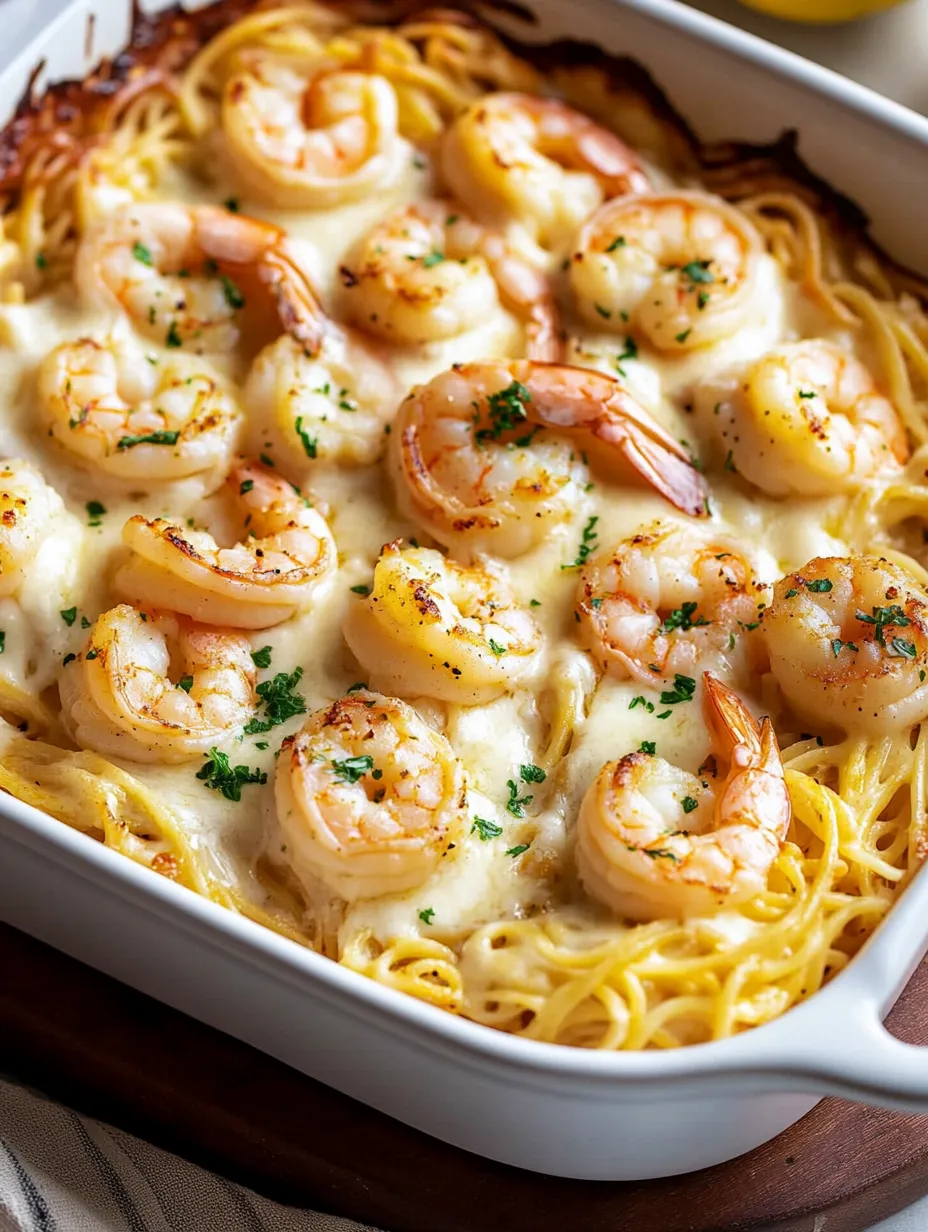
[
  {"x": 655, "y": 842},
  {"x": 369, "y": 797},
  {"x": 153, "y": 687},
  {"x": 313, "y": 143},
  {"x": 28, "y": 506},
  {"x": 114, "y": 413},
  {"x": 535, "y": 161},
  {"x": 808, "y": 418},
  {"x": 848, "y": 644},
  {"x": 683, "y": 267},
  {"x": 197, "y": 276},
  {"x": 285, "y": 561},
  {"x": 434, "y": 628},
  {"x": 329, "y": 407},
  {"x": 428, "y": 272},
  {"x": 667, "y": 600},
  {"x": 481, "y": 458}
]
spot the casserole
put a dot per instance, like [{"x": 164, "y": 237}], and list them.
[{"x": 493, "y": 1088}]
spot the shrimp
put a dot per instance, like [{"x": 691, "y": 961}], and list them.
[
  {"x": 311, "y": 144},
  {"x": 28, "y": 506},
  {"x": 434, "y": 628},
  {"x": 472, "y": 455},
  {"x": 153, "y": 687},
  {"x": 428, "y": 272},
  {"x": 369, "y": 798},
  {"x": 682, "y": 267},
  {"x": 808, "y": 419},
  {"x": 330, "y": 407},
  {"x": 668, "y": 598},
  {"x": 116, "y": 414},
  {"x": 655, "y": 842},
  {"x": 197, "y": 276},
  {"x": 286, "y": 560},
  {"x": 848, "y": 644},
  {"x": 537, "y": 162}
]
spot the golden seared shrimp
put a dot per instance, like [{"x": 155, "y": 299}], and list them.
[
  {"x": 311, "y": 143},
  {"x": 428, "y": 272},
  {"x": 197, "y": 276},
  {"x": 809, "y": 419},
  {"x": 328, "y": 407},
  {"x": 537, "y": 162},
  {"x": 117, "y": 414},
  {"x": 484, "y": 454},
  {"x": 286, "y": 558},
  {"x": 656, "y": 842},
  {"x": 153, "y": 687},
  {"x": 434, "y": 628},
  {"x": 668, "y": 600},
  {"x": 683, "y": 267},
  {"x": 369, "y": 798},
  {"x": 28, "y": 506},
  {"x": 848, "y": 644}
]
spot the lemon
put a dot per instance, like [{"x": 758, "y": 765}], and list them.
[{"x": 820, "y": 10}]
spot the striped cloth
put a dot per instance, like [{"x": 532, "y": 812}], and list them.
[{"x": 61, "y": 1172}]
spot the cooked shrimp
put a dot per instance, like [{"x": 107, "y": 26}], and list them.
[
  {"x": 808, "y": 418},
  {"x": 114, "y": 413},
  {"x": 27, "y": 507},
  {"x": 428, "y": 272},
  {"x": 286, "y": 560},
  {"x": 152, "y": 687},
  {"x": 313, "y": 143},
  {"x": 477, "y": 465},
  {"x": 434, "y": 628},
  {"x": 683, "y": 267},
  {"x": 668, "y": 600},
  {"x": 369, "y": 798},
  {"x": 197, "y": 276},
  {"x": 328, "y": 407},
  {"x": 537, "y": 162},
  {"x": 848, "y": 644},
  {"x": 655, "y": 842}
]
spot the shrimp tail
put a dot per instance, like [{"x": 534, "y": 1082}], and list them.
[
  {"x": 729, "y": 719},
  {"x": 673, "y": 476}
]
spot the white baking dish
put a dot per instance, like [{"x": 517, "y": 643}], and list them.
[{"x": 562, "y": 1111}]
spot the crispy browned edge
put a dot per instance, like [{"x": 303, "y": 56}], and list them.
[{"x": 76, "y": 114}]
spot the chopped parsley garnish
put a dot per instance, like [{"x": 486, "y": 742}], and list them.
[
  {"x": 262, "y": 657},
  {"x": 173, "y": 338},
  {"x": 587, "y": 546},
  {"x": 280, "y": 702},
  {"x": 883, "y": 617},
  {"x": 85, "y": 623},
  {"x": 486, "y": 829},
  {"x": 267, "y": 460},
  {"x": 517, "y": 804},
  {"x": 689, "y": 803},
  {"x": 148, "y": 438},
  {"x": 630, "y": 352},
  {"x": 807, "y": 393},
  {"x": 362, "y": 588},
  {"x": 451, "y": 220},
  {"x": 309, "y": 442},
  {"x": 3, "y": 642},
  {"x": 682, "y": 337},
  {"x": 697, "y": 271},
  {"x": 683, "y": 689},
  {"x": 641, "y": 701},
  {"x": 68, "y": 658},
  {"x": 352, "y": 768},
  {"x": 729, "y": 461},
  {"x": 95, "y": 512},
  {"x": 427, "y": 914},
  {"x": 246, "y": 486},
  {"x": 902, "y": 649},
  {"x": 837, "y": 646},
  {"x": 40, "y": 260},
  {"x": 185, "y": 683},
  {"x": 496, "y": 647},
  {"x": 819, "y": 586},
  {"x": 532, "y": 774},
  {"x": 68, "y": 615},
  {"x": 660, "y": 853},
  {"x": 702, "y": 299},
  {"x": 682, "y": 618},
  {"x": 141, "y": 253},
  {"x": 431, "y": 259},
  {"x": 231, "y": 204},
  {"x": 506, "y": 409},
  {"x": 534, "y": 603},
  {"x": 517, "y": 851},
  {"x": 234, "y": 297},
  {"x": 603, "y": 312},
  {"x": 219, "y": 775},
  {"x": 91, "y": 654},
  {"x": 647, "y": 746},
  {"x": 792, "y": 592},
  {"x": 619, "y": 242},
  {"x": 356, "y": 688}
]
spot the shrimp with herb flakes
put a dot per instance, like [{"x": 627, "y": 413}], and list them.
[
  {"x": 684, "y": 268},
  {"x": 669, "y": 600},
  {"x": 656, "y": 842},
  {"x": 198, "y": 276},
  {"x": 434, "y": 628},
  {"x": 28, "y": 508},
  {"x": 848, "y": 644},
  {"x": 369, "y": 798},
  {"x": 284, "y": 563},
  {"x": 485, "y": 455},
  {"x": 155, "y": 687},
  {"x": 537, "y": 162},
  {"x": 807, "y": 419},
  {"x": 427, "y": 272},
  {"x": 156, "y": 421}
]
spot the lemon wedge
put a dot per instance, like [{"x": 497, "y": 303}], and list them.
[{"x": 820, "y": 10}]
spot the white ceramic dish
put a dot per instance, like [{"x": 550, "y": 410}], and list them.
[{"x": 562, "y": 1111}]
